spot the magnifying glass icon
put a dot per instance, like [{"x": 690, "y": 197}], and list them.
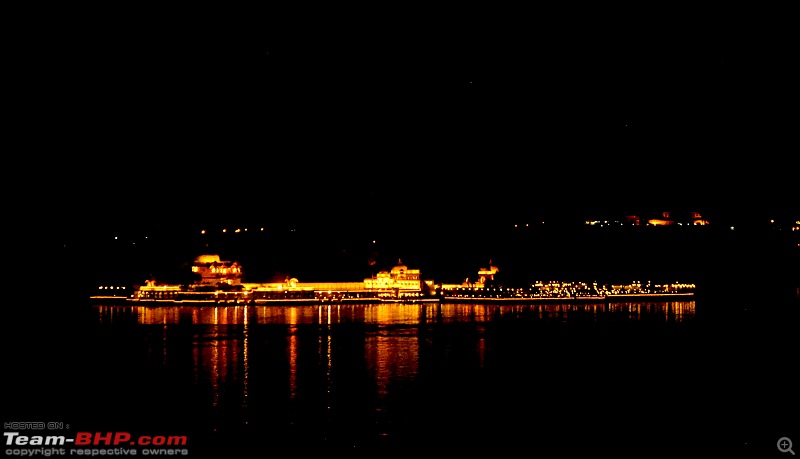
[{"x": 785, "y": 445}]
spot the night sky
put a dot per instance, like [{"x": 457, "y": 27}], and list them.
[
  {"x": 542, "y": 112},
  {"x": 337, "y": 120}
]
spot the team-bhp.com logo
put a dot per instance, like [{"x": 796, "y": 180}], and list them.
[
  {"x": 95, "y": 439},
  {"x": 92, "y": 442}
]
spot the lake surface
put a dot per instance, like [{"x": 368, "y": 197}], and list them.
[{"x": 631, "y": 378}]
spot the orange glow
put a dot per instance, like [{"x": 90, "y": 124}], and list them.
[
  {"x": 292, "y": 316},
  {"x": 293, "y": 364}
]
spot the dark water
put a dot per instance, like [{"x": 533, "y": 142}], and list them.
[{"x": 635, "y": 379}]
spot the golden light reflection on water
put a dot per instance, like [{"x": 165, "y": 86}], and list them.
[
  {"x": 292, "y": 354},
  {"x": 385, "y": 314},
  {"x": 673, "y": 311},
  {"x": 392, "y": 355},
  {"x": 222, "y": 336}
]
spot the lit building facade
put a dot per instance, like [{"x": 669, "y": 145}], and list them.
[
  {"x": 214, "y": 271},
  {"x": 666, "y": 219},
  {"x": 221, "y": 281}
]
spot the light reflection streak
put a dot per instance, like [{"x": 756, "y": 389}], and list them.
[
  {"x": 211, "y": 367},
  {"x": 328, "y": 361},
  {"x": 392, "y": 355},
  {"x": 245, "y": 361},
  {"x": 379, "y": 357},
  {"x": 293, "y": 362}
]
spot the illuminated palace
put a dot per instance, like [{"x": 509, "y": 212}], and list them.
[{"x": 221, "y": 280}]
